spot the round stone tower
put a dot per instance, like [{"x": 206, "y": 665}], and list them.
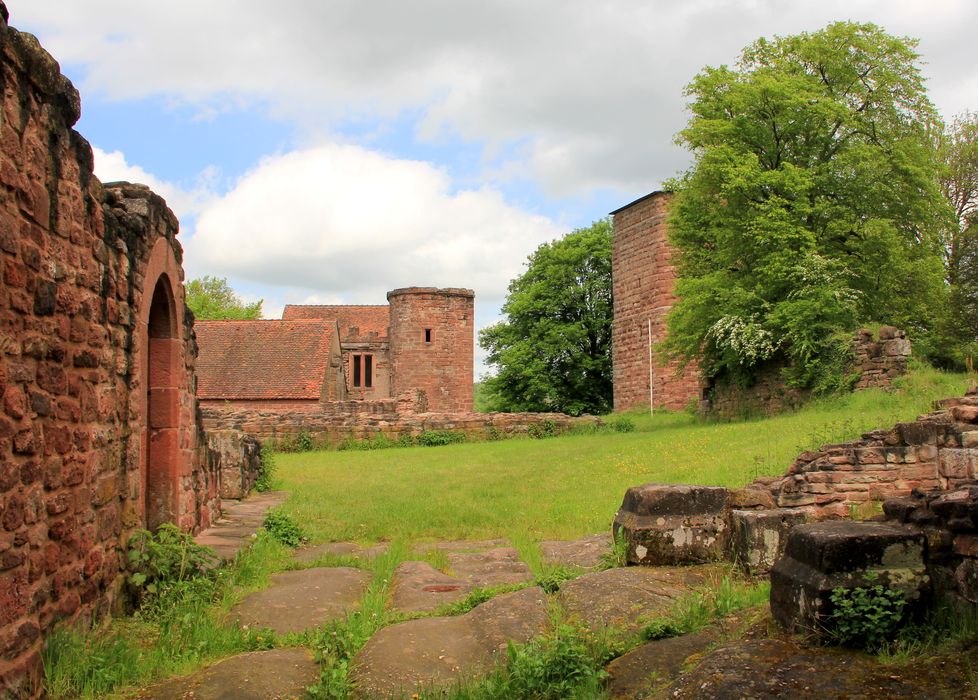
[{"x": 431, "y": 344}]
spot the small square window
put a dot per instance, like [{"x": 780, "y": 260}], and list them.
[{"x": 427, "y": 335}]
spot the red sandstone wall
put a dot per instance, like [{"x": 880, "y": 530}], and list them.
[
  {"x": 441, "y": 368},
  {"x": 79, "y": 418},
  {"x": 643, "y": 280}
]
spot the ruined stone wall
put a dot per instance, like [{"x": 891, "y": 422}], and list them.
[
  {"x": 643, "y": 280},
  {"x": 376, "y": 419},
  {"x": 431, "y": 346},
  {"x": 98, "y": 420},
  {"x": 876, "y": 362},
  {"x": 937, "y": 451},
  {"x": 879, "y": 361}
]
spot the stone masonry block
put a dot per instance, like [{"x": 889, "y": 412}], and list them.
[
  {"x": 821, "y": 557},
  {"x": 958, "y": 463},
  {"x": 674, "y": 524},
  {"x": 759, "y": 537}
]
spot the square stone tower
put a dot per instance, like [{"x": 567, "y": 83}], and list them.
[{"x": 643, "y": 284}]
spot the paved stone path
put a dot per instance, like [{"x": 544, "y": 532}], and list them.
[
  {"x": 238, "y": 522},
  {"x": 311, "y": 553},
  {"x": 300, "y": 600},
  {"x": 260, "y": 675},
  {"x": 437, "y": 651}
]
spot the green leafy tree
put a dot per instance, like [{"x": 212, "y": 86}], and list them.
[
  {"x": 959, "y": 155},
  {"x": 212, "y": 298},
  {"x": 553, "y": 350},
  {"x": 812, "y": 205}
]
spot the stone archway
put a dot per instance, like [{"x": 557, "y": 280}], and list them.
[{"x": 162, "y": 408}]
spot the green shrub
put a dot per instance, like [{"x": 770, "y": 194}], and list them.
[
  {"x": 544, "y": 429},
  {"x": 434, "y": 438},
  {"x": 865, "y": 616},
  {"x": 164, "y": 557},
  {"x": 621, "y": 424},
  {"x": 283, "y": 528}
]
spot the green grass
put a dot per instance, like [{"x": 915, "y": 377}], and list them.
[{"x": 529, "y": 490}]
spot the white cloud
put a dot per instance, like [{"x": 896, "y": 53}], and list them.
[
  {"x": 592, "y": 90},
  {"x": 185, "y": 203},
  {"x": 342, "y": 222}
]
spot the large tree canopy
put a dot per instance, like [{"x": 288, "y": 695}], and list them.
[
  {"x": 812, "y": 205},
  {"x": 553, "y": 350},
  {"x": 212, "y": 298}
]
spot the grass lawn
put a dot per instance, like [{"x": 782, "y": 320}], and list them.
[{"x": 572, "y": 485}]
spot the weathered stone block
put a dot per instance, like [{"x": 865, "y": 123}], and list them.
[
  {"x": 674, "y": 524},
  {"x": 759, "y": 536},
  {"x": 821, "y": 557}
]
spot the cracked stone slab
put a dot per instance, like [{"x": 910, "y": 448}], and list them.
[
  {"x": 494, "y": 567},
  {"x": 300, "y": 600},
  {"x": 586, "y": 552},
  {"x": 436, "y": 652},
  {"x": 259, "y": 675},
  {"x": 623, "y": 597},
  {"x": 420, "y": 587},
  {"x": 633, "y": 675}
]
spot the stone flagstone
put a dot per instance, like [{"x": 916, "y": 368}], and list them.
[
  {"x": 281, "y": 674},
  {"x": 439, "y": 651},
  {"x": 620, "y": 597},
  {"x": 585, "y": 553},
  {"x": 300, "y": 600},
  {"x": 418, "y": 586}
]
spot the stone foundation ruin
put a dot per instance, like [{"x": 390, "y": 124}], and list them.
[{"x": 925, "y": 474}]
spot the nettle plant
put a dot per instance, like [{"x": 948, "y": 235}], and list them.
[{"x": 866, "y": 616}]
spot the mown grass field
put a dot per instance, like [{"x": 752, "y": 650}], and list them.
[{"x": 571, "y": 485}]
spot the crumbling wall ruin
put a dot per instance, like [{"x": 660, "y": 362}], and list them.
[{"x": 98, "y": 423}]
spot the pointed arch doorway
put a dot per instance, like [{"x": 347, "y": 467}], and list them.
[{"x": 162, "y": 408}]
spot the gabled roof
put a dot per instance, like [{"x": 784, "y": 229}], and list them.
[
  {"x": 262, "y": 359},
  {"x": 365, "y": 318}
]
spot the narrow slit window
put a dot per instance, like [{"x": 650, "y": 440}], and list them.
[
  {"x": 356, "y": 370},
  {"x": 368, "y": 371},
  {"x": 427, "y": 335}
]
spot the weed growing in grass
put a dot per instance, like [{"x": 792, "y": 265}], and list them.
[
  {"x": 942, "y": 628},
  {"x": 618, "y": 555},
  {"x": 697, "y": 610},
  {"x": 175, "y": 630},
  {"x": 553, "y": 579},
  {"x": 167, "y": 556},
  {"x": 563, "y": 665},
  {"x": 266, "y": 471},
  {"x": 337, "y": 642},
  {"x": 283, "y": 528}
]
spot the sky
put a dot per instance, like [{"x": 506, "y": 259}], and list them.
[{"x": 327, "y": 151}]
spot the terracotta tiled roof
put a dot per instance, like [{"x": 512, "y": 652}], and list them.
[
  {"x": 262, "y": 359},
  {"x": 367, "y": 319}
]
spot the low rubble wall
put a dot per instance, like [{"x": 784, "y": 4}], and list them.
[{"x": 332, "y": 426}]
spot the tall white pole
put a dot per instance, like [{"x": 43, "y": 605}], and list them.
[{"x": 651, "y": 410}]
